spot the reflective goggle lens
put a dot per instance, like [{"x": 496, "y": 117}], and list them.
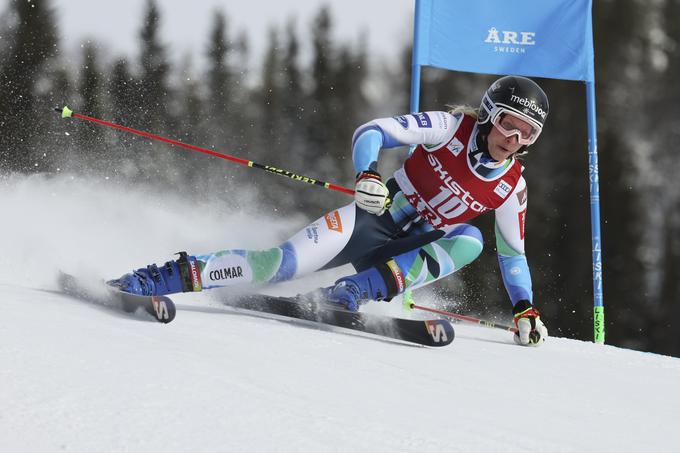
[{"x": 526, "y": 133}]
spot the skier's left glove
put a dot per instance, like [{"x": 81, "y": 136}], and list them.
[
  {"x": 531, "y": 330},
  {"x": 370, "y": 193}
]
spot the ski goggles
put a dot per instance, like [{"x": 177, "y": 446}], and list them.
[{"x": 526, "y": 135}]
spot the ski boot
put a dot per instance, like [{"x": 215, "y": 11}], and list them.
[
  {"x": 182, "y": 275},
  {"x": 381, "y": 282}
]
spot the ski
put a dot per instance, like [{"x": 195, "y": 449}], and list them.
[
  {"x": 432, "y": 332},
  {"x": 161, "y": 308}
]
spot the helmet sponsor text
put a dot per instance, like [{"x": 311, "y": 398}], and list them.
[{"x": 529, "y": 104}]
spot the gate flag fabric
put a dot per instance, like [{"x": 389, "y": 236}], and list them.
[{"x": 538, "y": 38}]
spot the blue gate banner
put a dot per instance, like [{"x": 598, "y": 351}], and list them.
[{"x": 535, "y": 38}]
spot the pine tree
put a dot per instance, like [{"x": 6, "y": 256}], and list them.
[
  {"x": 220, "y": 82},
  {"x": 90, "y": 82},
  {"x": 322, "y": 96},
  {"x": 61, "y": 137},
  {"x": 31, "y": 45},
  {"x": 153, "y": 83},
  {"x": 271, "y": 96},
  {"x": 293, "y": 102},
  {"x": 122, "y": 96},
  {"x": 270, "y": 144},
  {"x": 666, "y": 134},
  {"x": 324, "y": 114},
  {"x": 242, "y": 119},
  {"x": 619, "y": 64},
  {"x": 190, "y": 125},
  {"x": 663, "y": 332},
  {"x": 91, "y": 138},
  {"x": 350, "y": 104}
]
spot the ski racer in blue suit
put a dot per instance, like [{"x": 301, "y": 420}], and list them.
[{"x": 412, "y": 229}]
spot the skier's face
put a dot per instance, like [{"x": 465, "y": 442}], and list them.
[{"x": 502, "y": 147}]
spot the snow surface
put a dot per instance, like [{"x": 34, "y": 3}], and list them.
[{"x": 77, "y": 377}]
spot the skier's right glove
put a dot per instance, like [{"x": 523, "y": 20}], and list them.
[
  {"x": 531, "y": 330},
  {"x": 370, "y": 193}
]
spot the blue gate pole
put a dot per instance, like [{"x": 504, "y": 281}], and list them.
[
  {"x": 414, "y": 105},
  {"x": 593, "y": 172},
  {"x": 415, "y": 89},
  {"x": 415, "y": 59}
]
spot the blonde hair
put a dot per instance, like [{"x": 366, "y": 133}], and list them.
[{"x": 461, "y": 108}]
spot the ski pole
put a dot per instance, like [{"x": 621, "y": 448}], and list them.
[
  {"x": 470, "y": 319},
  {"x": 68, "y": 113}
]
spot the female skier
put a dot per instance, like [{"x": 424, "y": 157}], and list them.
[{"x": 411, "y": 230}]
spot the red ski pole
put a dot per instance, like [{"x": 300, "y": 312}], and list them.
[
  {"x": 68, "y": 113},
  {"x": 470, "y": 319}
]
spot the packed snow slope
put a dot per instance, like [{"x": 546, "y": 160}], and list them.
[{"x": 77, "y": 377}]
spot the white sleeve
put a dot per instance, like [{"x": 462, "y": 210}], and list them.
[
  {"x": 510, "y": 244},
  {"x": 413, "y": 129},
  {"x": 510, "y": 218}
]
